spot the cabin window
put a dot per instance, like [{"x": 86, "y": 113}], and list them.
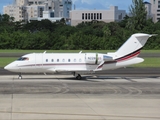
[
  {"x": 52, "y": 60},
  {"x": 63, "y": 60},
  {"x": 23, "y": 58},
  {"x": 46, "y": 60},
  {"x": 69, "y": 60},
  {"x": 57, "y": 60},
  {"x": 80, "y": 60},
  {"x": 74, "y": 60}
]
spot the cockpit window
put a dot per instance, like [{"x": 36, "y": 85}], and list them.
[{"x": 23, "y": 59}]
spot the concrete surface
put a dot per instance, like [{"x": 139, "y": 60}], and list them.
[{"x": 93, "y": 98}]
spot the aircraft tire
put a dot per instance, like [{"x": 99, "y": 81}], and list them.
[
  {"x": 79, "y": 77},
  {"x": 20, "y": 77}
]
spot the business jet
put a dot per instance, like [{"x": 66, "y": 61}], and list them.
[{"x": 80, "y": 63}]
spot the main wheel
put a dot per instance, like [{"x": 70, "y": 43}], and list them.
[{"x": 79, "y": 77}]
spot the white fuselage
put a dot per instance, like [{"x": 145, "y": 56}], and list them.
[{"x": 66, "y": 62}]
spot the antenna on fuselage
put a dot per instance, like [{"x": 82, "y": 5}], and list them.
[
  {"x": 80, "y": 52},
  {"x": 44, "y": 52}
]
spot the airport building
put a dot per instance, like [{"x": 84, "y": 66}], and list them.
[{"x": 111, "y": 15}]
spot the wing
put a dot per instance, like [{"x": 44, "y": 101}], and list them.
[{"x": 57, "y": 70}]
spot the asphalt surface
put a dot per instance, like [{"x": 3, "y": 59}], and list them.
[
  {"x": 39, "y": 97},
  {"x": 66, "y": 84},
  {"x": 150, "y": 72}
]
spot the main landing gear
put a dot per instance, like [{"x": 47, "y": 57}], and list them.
[
  {"x": 20, "y": 76},
  {"x": 78, "y": 76}
]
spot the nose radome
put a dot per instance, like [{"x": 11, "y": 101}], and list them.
[
  {"x": 6, "y": 67},
  {"x": 11, "y": 67}
]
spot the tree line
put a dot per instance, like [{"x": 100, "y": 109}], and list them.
[{"x": 94, "y": 35}]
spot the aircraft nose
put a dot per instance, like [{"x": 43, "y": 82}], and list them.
[
  {"x": 11, "y": 67},
  {"x": 7, "y": 67}
]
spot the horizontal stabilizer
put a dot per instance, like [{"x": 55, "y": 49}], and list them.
[
  {"x": 133, "y": 61},
  {"x": 153, "y": 35}
]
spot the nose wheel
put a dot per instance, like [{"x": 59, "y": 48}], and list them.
[{"x": 20, "y": 76}]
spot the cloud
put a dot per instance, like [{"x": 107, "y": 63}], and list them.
[
  {"x": 91, "y": 4},
  {"x": 74, "y": 1},
  {"x": 101, "y": 4}
]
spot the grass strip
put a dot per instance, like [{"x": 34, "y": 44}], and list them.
[
  {"x": 149, "y": 62},
  {"x": 6, "y": 60},
  {"x": 69, "y": 51}
]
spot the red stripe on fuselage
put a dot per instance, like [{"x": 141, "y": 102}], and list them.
[{"x": 128, "y": 57}]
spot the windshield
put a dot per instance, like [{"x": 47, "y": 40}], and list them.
[{"x": 23, "y": 58}]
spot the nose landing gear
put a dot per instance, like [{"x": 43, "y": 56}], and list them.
[{"x": 20, "y": 76}]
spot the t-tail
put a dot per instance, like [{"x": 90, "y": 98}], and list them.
[
  {"x": 131, "y": 48},
  {"x": 127, "y": 54},
  {"x": 133, "y": 45}
]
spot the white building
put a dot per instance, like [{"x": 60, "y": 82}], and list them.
[
  {"x": 111, "y": 15},
  {"x": 148, "y": 9},
  {"x": 155, "y": 10},
  {"x": 47, "y": 15},
  {"x": 33, "y": 9},
  {"x": 62, "y": 8},
  {"x": 14, "y": 11}
]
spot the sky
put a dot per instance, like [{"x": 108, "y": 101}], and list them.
[{"x": 88, "y": 4}]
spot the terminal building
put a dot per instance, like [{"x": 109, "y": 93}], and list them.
[{"x": 111, "y": 15}]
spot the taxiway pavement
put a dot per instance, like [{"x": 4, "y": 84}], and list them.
[{"x": 62, "y": 97}]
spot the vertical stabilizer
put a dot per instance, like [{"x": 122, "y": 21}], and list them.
[{"x": 133, "y": 45}]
